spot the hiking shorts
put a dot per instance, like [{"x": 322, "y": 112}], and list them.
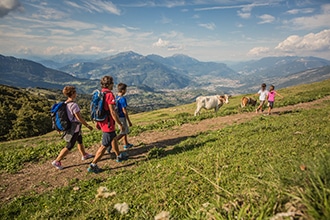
[
  {"x": 262, "y": 102},
  {"x": 123, "y": 121},
  {"x": 270, "y": 104},
  {"x": 76, "y": 137},
  {"x": 107, "y": 138}
]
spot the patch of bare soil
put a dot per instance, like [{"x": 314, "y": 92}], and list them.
[{"x": 38, "y": 178}]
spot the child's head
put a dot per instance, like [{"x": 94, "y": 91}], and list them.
[
  {"x": 271, "y": 88},
  {"x": 107, "y": 82},
  {"x": 263, "y": 86},
  {"x": 122, "y": 88},
  {"x": 69, "y": 91}
]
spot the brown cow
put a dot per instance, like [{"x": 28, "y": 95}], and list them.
[{"x": 248, "y": 101}]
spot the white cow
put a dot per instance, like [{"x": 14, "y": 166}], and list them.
[{"x": 209, "y": 102}]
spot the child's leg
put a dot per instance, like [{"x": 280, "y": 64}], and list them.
[
  {"x": 62, "y": 154},
  {"x": 69, "y": 146},
  {"x": 99, "y": 153},
  {"x": 107, "y": 139},
  {"x": 120, "y": 136},
  {"x": 125, "y": 140},
  {"x": 114, "y": 144},
  {"x": 81, "y": 149},
  {"x": 259, "y": 107}
]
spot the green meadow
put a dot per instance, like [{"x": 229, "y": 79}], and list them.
[{"x": 269, "y": 167}]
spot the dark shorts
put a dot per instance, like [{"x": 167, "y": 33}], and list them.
[
  {"x": 77, "y": 137},
  {"x": 107, "y": 138},
  {"x": 270, "y": 104}
]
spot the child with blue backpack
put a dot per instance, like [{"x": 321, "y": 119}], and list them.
[
  {"x": 73, "y": 135},
  {"x": 121, "y": 103},
  {"x": 107, "y": 126}
]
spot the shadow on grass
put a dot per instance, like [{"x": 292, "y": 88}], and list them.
[{"x": 143, "y": 152}]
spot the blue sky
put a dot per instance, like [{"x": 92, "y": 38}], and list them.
[{"x": 208, "y": 30}]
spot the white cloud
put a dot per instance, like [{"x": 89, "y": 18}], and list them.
[
  {"x": 49, "y": 13},
  {"x": 308, "y": 43},
  {"x": 245, "y": 12},
  {"x": 300, "y": 11},
  {"x": 316, "y": 21},
  {"x": 165, "y": 20},
  {"x": 243, "y": 15},
  {"x": 239, "y": 25},
  {"x": 161, "y": 43},
  {"x": 258, "y": 51},
  {"x": 122, "y": 31},
  {"x": 166, "y": 44},
  {"x": 99, "y": 6},
  {"x": 211, "y": 26},
  {"x": 196, "y": 16},
  {"x": 172, "y": 3},
  {"x": 266, "y": 19},
  {"x": 7, "y": 6},
  {"x": 244, "y": 8}
]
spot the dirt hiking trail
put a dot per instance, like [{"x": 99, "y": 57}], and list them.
[{"x": 38, "y": 178}]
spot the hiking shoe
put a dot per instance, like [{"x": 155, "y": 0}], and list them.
[
  {"x": 128, "y": 146},
  {"x": 57, "y": 164},
  {"x": 86, "y": 156},
  {"x": 121, "y": 157},
  {"x": 94, "y": 169}
]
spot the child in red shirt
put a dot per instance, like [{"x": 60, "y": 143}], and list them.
[{"x": 107, "y": 126}]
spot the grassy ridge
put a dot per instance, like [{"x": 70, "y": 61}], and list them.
[
  {"x": 250, "y": 170},
  {"x": 14, "y": 154}
]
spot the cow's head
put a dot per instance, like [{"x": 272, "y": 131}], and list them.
[{"x": 223, "y": 99}]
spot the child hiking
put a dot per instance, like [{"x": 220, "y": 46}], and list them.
[
  {"x": 73, "y": 135},
  {"x": 107, "y": 126},
  {"x": 271, "y": 98},
  {"x": 262, "y": 97},
  {"x": 121, "y": 103}
]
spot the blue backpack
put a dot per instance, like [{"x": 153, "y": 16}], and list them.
[
  {"x": 98, "y": 113},
  {"x": 59, "y": 115}
]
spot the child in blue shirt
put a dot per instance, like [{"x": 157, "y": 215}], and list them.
[{"x": 121, "y": 103}]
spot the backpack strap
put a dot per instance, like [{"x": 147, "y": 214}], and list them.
[{"x": 107, "y": 112}]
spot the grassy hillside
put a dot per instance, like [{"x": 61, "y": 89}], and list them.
[
  {"x": 254, "y": 170},
  {"x": 15, "y": 153}
]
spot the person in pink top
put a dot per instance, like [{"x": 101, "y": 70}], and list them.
[
  {"x": 271, "y": 98},
  {"x": 74, "y": 134}
]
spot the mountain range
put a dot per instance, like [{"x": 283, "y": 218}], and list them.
[{"x": 164, "y": 73}]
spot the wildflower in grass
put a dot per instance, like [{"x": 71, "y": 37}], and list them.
[
  {"x": 102, "y": 189},
  {"x": 122, "y": 208},
  {"x": 163, "y": 216},
  {"x": 76, "y": 188},
  {"x": 205, "y": 205},
  {"x": 103, "y": 192}
]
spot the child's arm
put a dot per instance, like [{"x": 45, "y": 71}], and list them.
[
  {"x": 126, "y": 116},
  {"x": 80, "y": 118},
  {"x": 279, "y": 95}
]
